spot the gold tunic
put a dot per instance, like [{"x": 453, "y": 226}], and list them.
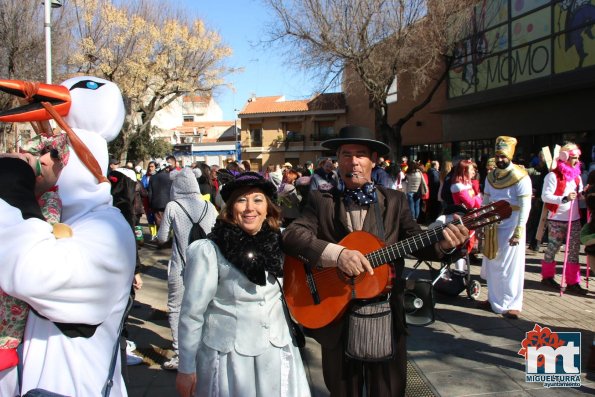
[{"x": 501, "y": 179}]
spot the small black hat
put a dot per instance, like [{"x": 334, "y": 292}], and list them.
[
  {"x": 357, "y": 135},
  {"x": 114, "y": 161},
  {"x": 249, "y": 179}
]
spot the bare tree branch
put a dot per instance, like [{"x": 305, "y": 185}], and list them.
[{"x": 376, "y": 39}]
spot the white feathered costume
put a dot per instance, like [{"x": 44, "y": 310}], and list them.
[{"x": 83, "y": 279}]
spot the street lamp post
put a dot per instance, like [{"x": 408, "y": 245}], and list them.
[{"x": 48, "y": 5}]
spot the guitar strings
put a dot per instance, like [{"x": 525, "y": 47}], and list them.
[{"x": 377, "y": 257}]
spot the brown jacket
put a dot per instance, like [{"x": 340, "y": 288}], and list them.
[{"x": 324, "y": 221}]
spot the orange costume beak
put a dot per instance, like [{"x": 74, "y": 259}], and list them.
[
  {"x": 34, "y": 94},
  {"x": 42, "y": 103}
]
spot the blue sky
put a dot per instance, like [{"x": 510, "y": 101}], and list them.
[{"x": 241, "y": 24}]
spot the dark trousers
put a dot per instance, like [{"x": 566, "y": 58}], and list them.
[{"x": 346, "y": 378}]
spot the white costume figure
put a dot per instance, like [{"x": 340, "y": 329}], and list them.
[
  {"x": 504, "y": 252},
  {"x": 84, "y": 279}
]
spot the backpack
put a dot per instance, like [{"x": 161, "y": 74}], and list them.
[{"x": 196, "y": 231}]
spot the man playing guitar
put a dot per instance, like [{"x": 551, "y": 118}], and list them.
[{"x": 329, "y": 216}]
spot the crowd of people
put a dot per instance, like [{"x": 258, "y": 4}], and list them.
[
  {"x": 428, "y": 189},
  {"x": 64, "y": 204}
]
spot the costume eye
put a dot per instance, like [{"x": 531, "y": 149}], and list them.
[{"x": 87, "y": 84}]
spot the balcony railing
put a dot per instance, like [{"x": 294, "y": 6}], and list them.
[
  {"x": 295, "y": 137},
  {"x": 322, "y": 137}
]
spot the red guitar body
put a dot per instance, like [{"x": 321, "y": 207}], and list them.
[{"x": 334, "y": 288}]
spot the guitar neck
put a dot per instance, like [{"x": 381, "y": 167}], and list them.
[
  {"x": 405, "y": 247},
  {"x": 480, "y": 217}
]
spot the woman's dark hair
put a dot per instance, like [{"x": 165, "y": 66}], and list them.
[
  {"x": 205, "y": 178},
  {"x": 273, "y": 210},
  {"x": 412, "y": 168}
]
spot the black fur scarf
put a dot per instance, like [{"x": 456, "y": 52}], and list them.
[{"x": 252, "y": 255}]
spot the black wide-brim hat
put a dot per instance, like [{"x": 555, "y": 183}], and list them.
[
  {"x": 249, "y": 179},
  {"x": 357, "y": 135}
]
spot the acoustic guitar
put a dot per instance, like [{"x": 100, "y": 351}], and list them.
[{"x": 318, "y": 296}]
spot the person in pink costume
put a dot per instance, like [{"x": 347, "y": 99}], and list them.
[
  {"x": 464, "y": 193},
  {"x": 462, "y": 189},
  {"x": 560, "y": 194}
]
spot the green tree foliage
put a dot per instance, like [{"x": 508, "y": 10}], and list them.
[{"x": 142, "y": 146}]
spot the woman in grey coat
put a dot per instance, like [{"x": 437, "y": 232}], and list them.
[
  {"x": 414, "y": 179},
  {"x": 234, "y": 338},
  {"x": 185, "y": 196}
]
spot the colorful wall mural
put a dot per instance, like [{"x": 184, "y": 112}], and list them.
[{"x": 521, "y": 40}]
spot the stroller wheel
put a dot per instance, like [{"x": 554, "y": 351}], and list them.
[{"x": 474, "y": 289}]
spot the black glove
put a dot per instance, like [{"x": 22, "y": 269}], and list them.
[{"x": 17, "y": 187}]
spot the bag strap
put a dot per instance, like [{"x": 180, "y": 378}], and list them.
[
  {"x": 379, "y": 222},
  {"x": 184, "y": 209},
  {"x": 293, "y": 327},
  {"x": 110, "y": 377},
  {"x": 382, "y": 232},
  {"x": 109, "y": 382}
]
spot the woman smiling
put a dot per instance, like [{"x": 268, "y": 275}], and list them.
[{"x": 234, "y": 338}]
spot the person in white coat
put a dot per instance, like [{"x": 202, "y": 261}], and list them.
[
  {"x": 561, "y": 193},
  {"x": 77, "y": 287},
  {"x": 233, "y": 335},
  {"x": 504, "y": 249}
]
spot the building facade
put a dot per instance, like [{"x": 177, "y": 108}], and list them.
[
  {"x": 532, "y": 76},
  {"x": 275, "y": 131},
  {"x": 194, "y": 126},
  {"x": 528, "y": 71}
]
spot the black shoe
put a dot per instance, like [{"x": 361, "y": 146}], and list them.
[
  {"x": 512, "y": 314},
  {"x": 550, "y": 282},
  {"x": 576, "y": 289}
]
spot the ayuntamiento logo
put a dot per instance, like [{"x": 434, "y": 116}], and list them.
[{"x": 552, "y": 358}]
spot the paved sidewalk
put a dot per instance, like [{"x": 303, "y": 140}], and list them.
[
  {"x": 466, "y": 352},
  {"x": 469, "y": 352}
]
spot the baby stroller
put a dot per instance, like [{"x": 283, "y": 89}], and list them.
[{"x": 453, "y": 275}]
